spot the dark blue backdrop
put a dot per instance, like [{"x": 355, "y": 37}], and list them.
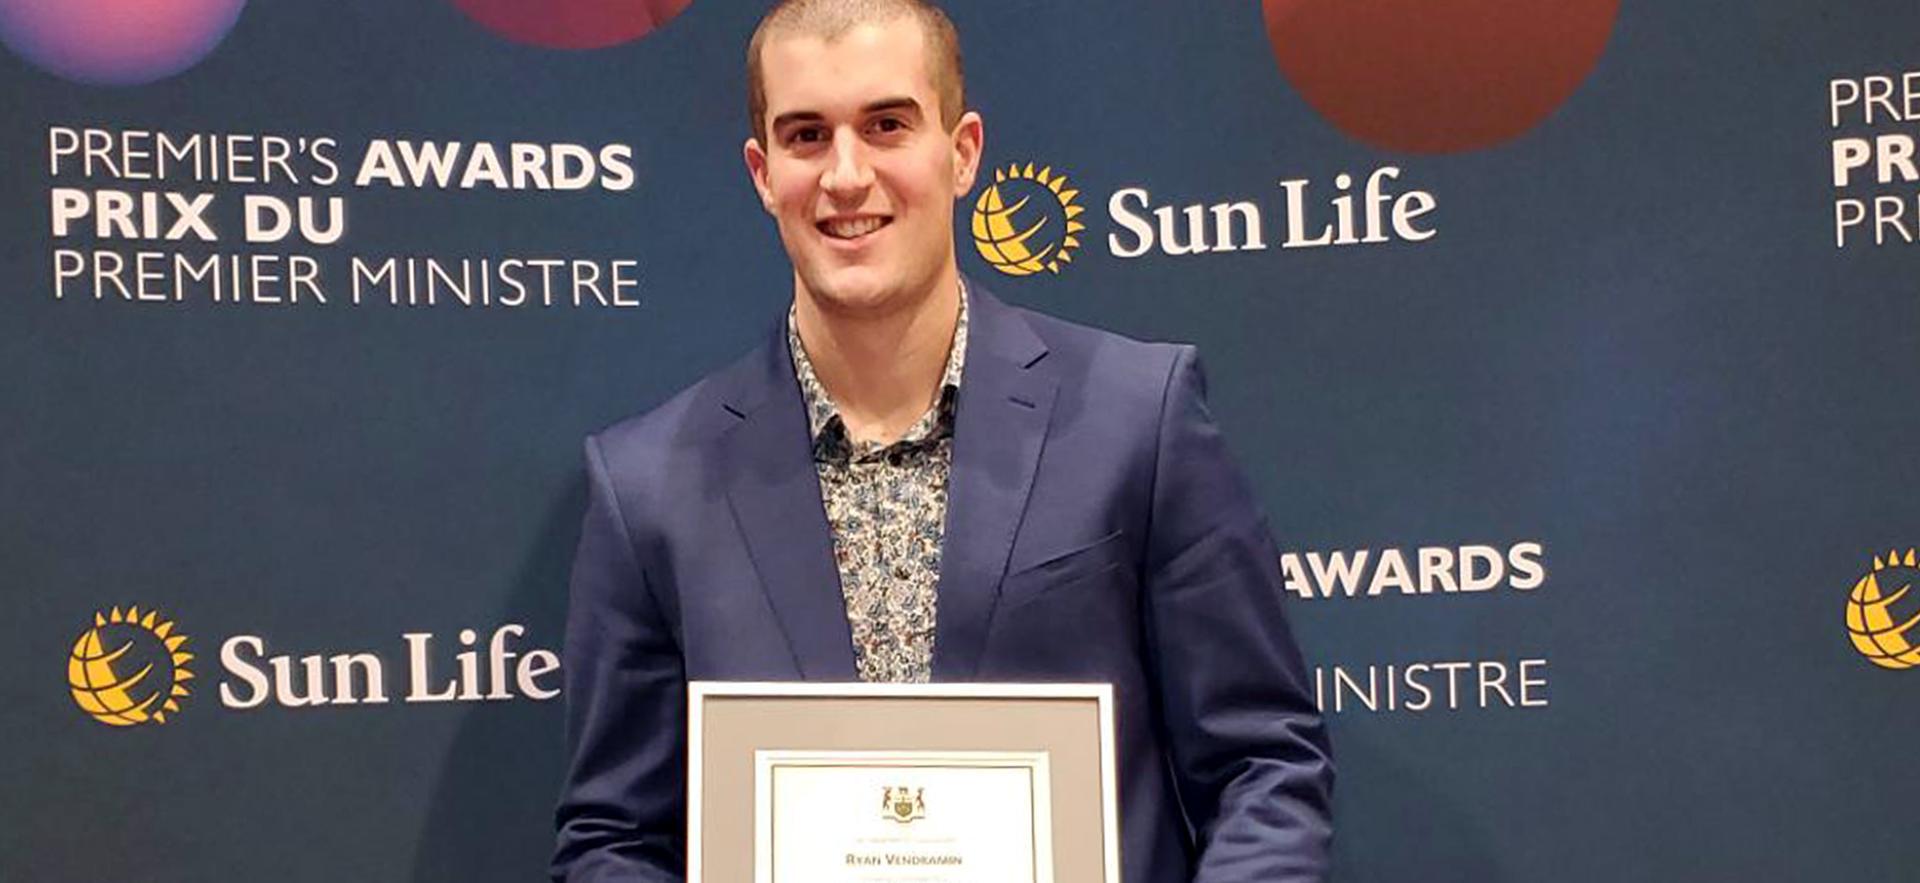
[{"x": 1631, "y": 341}]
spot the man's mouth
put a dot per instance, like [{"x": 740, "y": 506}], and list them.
[{"x": 852, "y": 228}]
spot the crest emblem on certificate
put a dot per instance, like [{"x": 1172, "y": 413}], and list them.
[{"x": 903, "y": 805}]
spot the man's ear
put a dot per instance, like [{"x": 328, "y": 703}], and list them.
[
  {"x": 969, "y": 142},
  {"x": 756, "y": 157}
]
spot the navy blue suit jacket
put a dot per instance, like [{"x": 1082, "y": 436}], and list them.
[{"x": 1097, "y": 531}]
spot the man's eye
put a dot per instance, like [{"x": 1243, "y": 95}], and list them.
[
  {"x": 889, "y": 125},
  {"x": 806, "y": 136}
]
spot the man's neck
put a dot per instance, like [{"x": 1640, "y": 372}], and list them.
[{"x": 882, "y": 370}]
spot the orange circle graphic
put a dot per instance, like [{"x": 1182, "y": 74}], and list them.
[
  {"x": 1437, "y": 76},
  {"x": 572, "y": 24}
]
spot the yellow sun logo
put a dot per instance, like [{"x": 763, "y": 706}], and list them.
[
  {"x": 1015, "y": 245},
  {"x": 140, "y": 680},
  {"x": 1871, "y": 617}
]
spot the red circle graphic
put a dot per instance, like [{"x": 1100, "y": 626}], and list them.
[
  {"x": 572, "y": 24},
  {"x": 1437, "y": 76}
]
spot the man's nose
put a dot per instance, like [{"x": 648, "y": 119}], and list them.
[{"x": 850, "y": 174}]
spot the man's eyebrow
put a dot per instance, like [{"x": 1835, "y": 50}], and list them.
[
  {"x": 798, "y": 116},
  {"x": 881, "y": 106},
  {"x": 886, "y": 104}
]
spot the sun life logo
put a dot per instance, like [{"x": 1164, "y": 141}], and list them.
[
  {"x": 1026, "y": 222},
  {"x": 1872, "y": 620},
  {"x": 128, "y": 668}
]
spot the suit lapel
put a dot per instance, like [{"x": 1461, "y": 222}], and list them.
[
  {"x": 775, "y": 494},
  {"x": 1006, "y": 400}
]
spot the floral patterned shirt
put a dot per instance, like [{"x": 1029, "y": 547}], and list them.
[{"x": 887, "y": 507}]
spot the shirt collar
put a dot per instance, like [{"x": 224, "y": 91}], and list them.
[{"x": 823, "y": 416}]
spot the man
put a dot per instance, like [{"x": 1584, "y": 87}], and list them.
[{"x": 912, "y": 481}]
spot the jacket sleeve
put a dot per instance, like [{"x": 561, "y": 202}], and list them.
[
  {"x": 621, "y": 815},
  {"x": 1250, "y": 754}
]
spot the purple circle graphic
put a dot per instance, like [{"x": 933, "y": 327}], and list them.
[{"x": 115, "y": 42}]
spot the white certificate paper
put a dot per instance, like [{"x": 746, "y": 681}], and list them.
[{"x": 902, "y": 817}]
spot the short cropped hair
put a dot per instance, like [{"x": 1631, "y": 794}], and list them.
[{"x": 830, "y": 19}]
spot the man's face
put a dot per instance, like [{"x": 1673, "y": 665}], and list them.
[{"x": 858, "y": 170}]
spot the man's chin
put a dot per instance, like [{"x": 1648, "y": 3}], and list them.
[{"x": 856, "y": 291}]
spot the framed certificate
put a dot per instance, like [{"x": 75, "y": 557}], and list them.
[{"x": 889, "y": 783}]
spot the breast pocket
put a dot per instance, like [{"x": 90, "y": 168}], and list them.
[{"x": 1064, "y": 570}]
